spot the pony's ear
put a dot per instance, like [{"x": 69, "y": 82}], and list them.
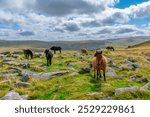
[
  {"x": 101, "y": 52},
  {"x": 95, "y": 54}
]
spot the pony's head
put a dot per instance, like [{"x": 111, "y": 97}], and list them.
[
  {"x": 98, "y": 53},
  {"x": 46, "y": 51}
]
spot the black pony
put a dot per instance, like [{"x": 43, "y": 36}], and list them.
[
  {"x": 54, "y": 48},
  {"x": 27, "y": 53},
  {"x": 49, "y": 56}
]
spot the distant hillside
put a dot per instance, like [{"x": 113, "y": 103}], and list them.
[
  {"x": 66, "y": 45},
  {"x": 142, "y": 45},
  {"x": 75, "y": 45}
]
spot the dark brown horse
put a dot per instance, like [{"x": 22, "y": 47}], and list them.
[
  {"x": 54, "y": 48},
  {"x": 49, "y": 56},
  {"x": 110, "y": 48},
  {"x": 28, "y": 53}
]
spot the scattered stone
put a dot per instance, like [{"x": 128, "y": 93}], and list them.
[
  {"x": 131, "y": 65},
  {"x": 85, "y": 70},
  {"x": 9, "y": 71},
  {"x": 12, "y": 95},
  {"x": 134, "y": 77},
  {"x": 2, "y": 56},
  {"x": 70, "y": 64},
  {"x": 25, "y": 77},
  {"x": 121, "y": 90},
  {"x": 145, "y": 87},
  {"x": 148, "y": 58},
  {"x": 25, "y": 64},
  {"x": 22, "y": 84},
  {"x": 7, "y": 60},
  {"x": 110, "y": 72},
  {"x": 17, "y": 52},
  {"x": 144, "y": 79},
  {"x": 15, "y": 55},
  {"x": 133, "y": 60},
  {"x": 5, "y": 53},
  {"x": 107, "y": 98},
  {"x": 37, "y": 55},
  {"x": 12, "y": 63},
  {"x": 10, "y": 76},
  {"x": 49, "y": 75}
]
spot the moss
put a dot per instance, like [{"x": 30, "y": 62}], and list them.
[{"x": 137, "y": 95}]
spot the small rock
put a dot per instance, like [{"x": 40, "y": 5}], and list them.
[
  {"x": 5, "y": 53},
  {"x": 133, "y": 60},
  {"x": 25, "y": 77},
  {"x": 12, "y": 95},
  {"x": 85, "y": 70},
  {"x": 70, "y": 64},
  {"x": 133, "y": 78},
  {"x": 121, "y": 90},
  {"x": 37, "y": 55},
  {"x": 144, "y": 79},
  {"x": 17, "y": 52},
  {"x": 110, "y": 72},
  {"x": 2, "y": 56},
  {"x": 106, "y": 98},
  {"x": 22, "y": 84},
  {"x": 15, "y": 55},
  {"x": 148, "y": 58},
  {"x": 145, "y": 87},
  {"x": 7, "y": 60},
  {"x": 10, "y": 76},
  {"x": 12, "y": 63}
]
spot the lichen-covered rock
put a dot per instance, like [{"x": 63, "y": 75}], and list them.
[
  {"x": 12, "y": 95},
  {"x": 121, "y": 90}
]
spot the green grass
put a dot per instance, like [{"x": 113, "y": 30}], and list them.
[{"x": 82, "y": 85}]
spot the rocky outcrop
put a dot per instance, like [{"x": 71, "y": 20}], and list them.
[
  {"x": 21, "y": 84},
  {"x": 110, "y": 72},
  {"x": 121, "y": 90},
  {"x": 41, "y": 75},
  {"x": 12, "y": 95}
]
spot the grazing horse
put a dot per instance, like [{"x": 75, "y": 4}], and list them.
[
  {"x": 84, "y": 51},
  {"x": 110, "y": 48},
  {"x": 27, "y": 53},
  {"x": 49, "y": 56},
  {"x": 99, "y": 62},
  {"x": 54, "y": 48}
]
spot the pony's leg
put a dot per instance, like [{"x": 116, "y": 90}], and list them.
[
  {"x": 60, "y": 51},
  {"x": 47, "y": 62},
  {"x": 100, "y": 74},
  {"x": 54, "y": 52},
  {"x": 50, "y": 61},
  {"x": 94, "y": 73},
  {"x": 97, "y": 74},
  {"x": 104, "y": 75}
]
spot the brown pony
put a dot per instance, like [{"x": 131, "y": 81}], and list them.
[
  {"x": 27, "y": 53},
  {"x": 99, "y": 62},
  {"x": 84, "y": 51},
  {"x": 110, "y": 48}
]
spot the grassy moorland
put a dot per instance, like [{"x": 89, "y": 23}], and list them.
[{"x": 77, "y": 84}]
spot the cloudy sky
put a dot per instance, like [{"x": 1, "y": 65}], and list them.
[{"x": 73, "y": 19}]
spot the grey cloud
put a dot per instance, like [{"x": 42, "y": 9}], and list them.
[
  {"x": 71, "y": 27},
  {"x": 65, "y": 7},
  {"x": 26, "y": 33},
  {"x": 125, "y": 30}
]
